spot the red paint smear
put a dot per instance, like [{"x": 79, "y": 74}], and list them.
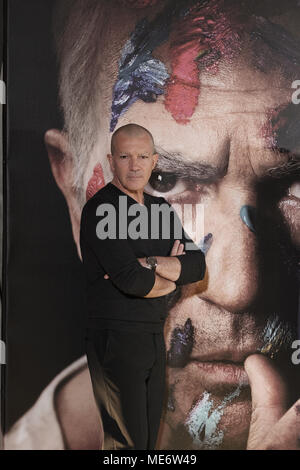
[
  {"x": 183, "y": 88},
  {"x": 275, "y": 121},
  {"x": 96, "y": 182},
  {"x": 139, "y": 3},
  {"x": 203, "y": 30}
]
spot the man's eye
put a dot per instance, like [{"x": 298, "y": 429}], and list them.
[
  {"x": 178, "y": 189},
  {"x": 144, "y": 156},
  {"x": 294, "y": 190},
  {"x": 123, "y": 156},
  {"x": 166, "y": 183}
]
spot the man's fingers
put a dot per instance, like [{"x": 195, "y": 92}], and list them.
[
  {"x": 175, "y": 248},
  {"x": 285, "y": 435},
  {"x": 269, "y": 395},
  {"x": 180, "y": 249}
]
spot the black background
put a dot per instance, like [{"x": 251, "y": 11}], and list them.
[{"x": 45, "y": 314}]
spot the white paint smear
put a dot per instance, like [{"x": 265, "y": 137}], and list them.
[{"x": 203, "y": 420}]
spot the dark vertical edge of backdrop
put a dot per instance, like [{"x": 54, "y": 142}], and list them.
[{"x": 4, "y": 55}]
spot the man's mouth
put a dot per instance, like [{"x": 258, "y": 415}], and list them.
[
  {"x": 222, "y": 371},
  {"x": 225, "y": 367},
  {"x": 226, "y": 355}
]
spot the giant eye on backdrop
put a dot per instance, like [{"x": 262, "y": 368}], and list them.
[
  {"x": 164, "y": 182},
  {"x": 177, "y": 189}
]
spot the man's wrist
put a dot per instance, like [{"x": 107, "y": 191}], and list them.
[{"x": 151, "y": 262}]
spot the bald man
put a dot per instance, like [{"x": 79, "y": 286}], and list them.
[{"x": 129, "y": 272}]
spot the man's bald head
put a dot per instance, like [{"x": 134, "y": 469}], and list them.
[{"x": 131, "y": 130}]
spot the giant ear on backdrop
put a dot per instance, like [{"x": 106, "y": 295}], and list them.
[{"x": 61, "y": 163}]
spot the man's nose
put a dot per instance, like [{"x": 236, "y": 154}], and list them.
[
  {"x": 134, "y": 164},
  {"x": 232, "y": 259}
]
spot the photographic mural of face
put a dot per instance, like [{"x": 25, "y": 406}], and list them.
[{"x": 214, "y": 87}]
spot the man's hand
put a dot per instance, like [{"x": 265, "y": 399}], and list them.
[
  {"x": 272, "y": 426},
  {"x": 177, "y": 249}
]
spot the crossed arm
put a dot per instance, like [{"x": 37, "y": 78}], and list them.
[
  {"x": 167, "y": 271},
  {"x": 131, "y": 274}
]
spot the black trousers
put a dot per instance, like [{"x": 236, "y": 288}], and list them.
[{"x": 127, "y": 370}]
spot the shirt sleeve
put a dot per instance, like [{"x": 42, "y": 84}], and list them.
[
  {"x": 115, "y": 256},
  {"x": 193, "y": 264}
]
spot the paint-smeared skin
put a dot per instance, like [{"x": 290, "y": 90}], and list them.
[
  {"x": 248, "y": 216},
  {"x": 204, "y": 34},
  {"x": 274, "y": 122},
  {"x": 171, "y": 398},
  {"x": 281, "y": 130},
  {"x": 141, "y": 76},
  {"x": 206, "y": 243},
  {"x": 182, "y": 341},
  {"x": 201, "y": 35},
  {"x": 203, "y": 420},
  {"x": 96, "y": 182},
  {"x": 200, "y": 429},
  {"x": 277, "y": 336},
  {"x": 183, "y": 88}
]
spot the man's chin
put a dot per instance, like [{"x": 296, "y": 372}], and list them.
[
  {"x": 205, "y": 416},
  {"x": 135, "y": 183},
  {"x": 223, "y": 429}
]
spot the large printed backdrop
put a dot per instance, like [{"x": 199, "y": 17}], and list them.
[{"x": 167, "y": 73}]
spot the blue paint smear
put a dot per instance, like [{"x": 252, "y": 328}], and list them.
[{"x": 140, "y": 75}]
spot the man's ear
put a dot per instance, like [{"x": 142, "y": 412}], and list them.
[
  {"x": 111, "y": 162},
  {"x": 155, "y": 158},
  {"x": 61, "y": 162},
  {"x": 60, "y": 158}
]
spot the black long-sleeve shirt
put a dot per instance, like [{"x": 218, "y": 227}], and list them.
[{"x": 119, "y": 300}]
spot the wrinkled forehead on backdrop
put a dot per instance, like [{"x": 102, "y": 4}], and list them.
[{"x": 158, "y": 51}]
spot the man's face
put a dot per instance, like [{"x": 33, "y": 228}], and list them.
[
  {"x": 209, "y": 391},
  {"x": 212, "y": 328},
  {"x": 132, "y": 161}
]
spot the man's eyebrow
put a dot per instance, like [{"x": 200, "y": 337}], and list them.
[
  {"x": 289, "y": 168},
  {"x": 175, "y": 163}
]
